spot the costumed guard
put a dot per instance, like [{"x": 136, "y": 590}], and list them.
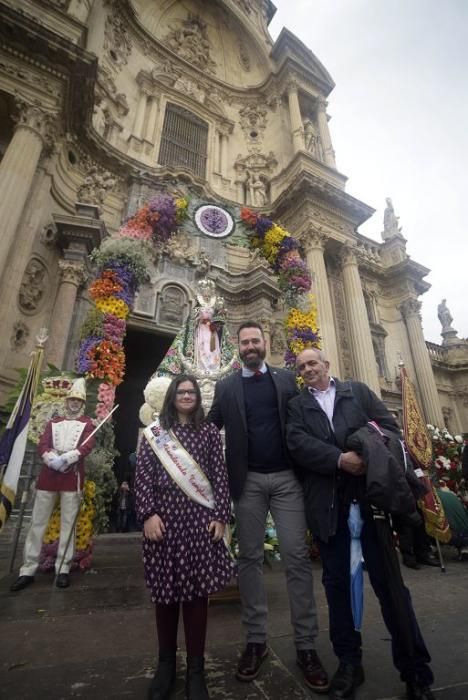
[{"x": 62, "y": 448}]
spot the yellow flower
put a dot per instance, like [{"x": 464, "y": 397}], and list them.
[{"x": 114, "y": 306}]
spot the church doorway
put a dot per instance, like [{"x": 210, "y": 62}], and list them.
[{"x": 144, "y": 351}]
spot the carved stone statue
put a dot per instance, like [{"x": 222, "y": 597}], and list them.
[
  {"x": 96, "y": 185},
  {"x": 32, "y": 287},
  {"x": 202, "y": 347},
  {"x": 258, "y": 193},
  {"x": 180, "y": 248},
  {"x": 190, "y": 42},
  {"x": 312, "y": 140},
  {"x": 445, "y": 317},
  {"x": 391, "y": 227}
]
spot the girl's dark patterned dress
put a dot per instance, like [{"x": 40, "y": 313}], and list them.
[{"x": 187, "y": 564}]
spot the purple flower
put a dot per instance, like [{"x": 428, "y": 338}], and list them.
[
  {"x": 165, "y": 206},
  {"x": 263, "y": 225},
  {"x": 83, "y": 363}
]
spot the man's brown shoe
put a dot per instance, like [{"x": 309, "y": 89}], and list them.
[
  {"x": 250, "y": 661},
  {"x": 315, "y": 675}
]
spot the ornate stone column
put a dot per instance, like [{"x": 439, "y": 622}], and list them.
[
  {"x": 322, "y": 120},
  {"x": 409, "y": 310},
  {"x": 18, "y": 168},
  {"x": 295, "y": 117},
  {"x": 72, "y": 276},
  {"x": 359, "y": 330},
  {"x": 223, "y": 153},
  {"x": 315, "y": 245}
]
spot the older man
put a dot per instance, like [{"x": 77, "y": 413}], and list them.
[
  {"x": 319, "y": 422},
  {"x": 62, "y": 448},
  {"x": 251, "y": 404}
]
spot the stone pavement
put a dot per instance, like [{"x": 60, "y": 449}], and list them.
[{"x": 97, "y": 639}]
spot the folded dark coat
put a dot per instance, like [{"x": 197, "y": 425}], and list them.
[{"x": 386, "y": 485}]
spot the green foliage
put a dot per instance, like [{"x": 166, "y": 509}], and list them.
[{"x": 99, "y": 468}]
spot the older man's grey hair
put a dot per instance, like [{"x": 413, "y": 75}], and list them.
[{"x": 321, "y": 355}]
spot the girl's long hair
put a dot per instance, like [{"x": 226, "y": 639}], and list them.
[{"x": 169, "y": 415}]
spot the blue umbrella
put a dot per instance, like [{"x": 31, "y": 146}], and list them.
[{"x": 355, "y": 523}]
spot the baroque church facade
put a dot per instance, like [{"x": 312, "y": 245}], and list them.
[{"x": 104, "y": 103}]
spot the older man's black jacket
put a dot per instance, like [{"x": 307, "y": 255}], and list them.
[
  {"x": 228, "y": 410},
  {"x": 315, "y": 448}
]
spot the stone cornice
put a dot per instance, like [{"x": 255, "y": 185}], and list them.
[
  {"x": 38, "y": 46},
  {"x": 289, "y": 52},
  {"x": 305, "y": 183}
]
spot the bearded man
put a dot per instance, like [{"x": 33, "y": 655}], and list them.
[
  {"x": 62, "y": 448},
  {"x": 251, "y": 405}
]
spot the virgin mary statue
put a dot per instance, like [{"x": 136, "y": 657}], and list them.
[{"x": 202, "y": 348}]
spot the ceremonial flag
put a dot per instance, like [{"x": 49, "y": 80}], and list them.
[
  {"x": 355, "y": 523},
  {"x": 13, "y": 441},
  {"x": 419, "y": 445}
]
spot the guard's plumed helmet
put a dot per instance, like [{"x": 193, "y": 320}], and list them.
[{"x": 78, "y": 390}]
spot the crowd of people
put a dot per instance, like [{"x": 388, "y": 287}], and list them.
[{"x": 304, "y": 457}]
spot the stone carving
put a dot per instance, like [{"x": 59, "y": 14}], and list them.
[
  {"x": 349, "y": 254},
  {"x": 33, "y": 286},
  {"x": 312, "y": 140},
  {"x": 244, "y": 57},
  {"x": 20, "y": 335},
  {"x": 278, "y": 338},
  {"x": 253, "y": 178},
  {"x": 253, "y": 122},
  {"x": 96, "y": 185},
  {"x": 180, "y": 248},
  {"x": 171, "y": 305},
  {"x": 410, "y": 307},
  {"x": 117, "y": 42},
  {"x": 203, "y": 264},
  {"x": 190, "y": 88},
  {"x": 72, "y": 272},
  {"x": 190, "y": 42},
  {"x": 338, "y": 299},
  {"x": 108, "y": 86},
  {"x": 391, "y": 227},
  {"x": 33, "y": 116},
  {"x": 18, "y": 72}
]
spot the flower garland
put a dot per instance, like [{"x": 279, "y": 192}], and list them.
[
  {"x": 446, "y": 464},
  {"x": 283, "y": 254}
]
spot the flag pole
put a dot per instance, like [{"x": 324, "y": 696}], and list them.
[{"x": 34, "y": 375}]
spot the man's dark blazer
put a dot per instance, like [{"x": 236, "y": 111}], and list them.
[
  {"x": 315, "y": 447},
  {"x": 228, "y": 410}
]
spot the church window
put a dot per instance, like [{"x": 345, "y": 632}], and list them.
[{"x": 184, "y": 140}]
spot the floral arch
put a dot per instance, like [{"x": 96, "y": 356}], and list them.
[{"x": 121, "y": 267}]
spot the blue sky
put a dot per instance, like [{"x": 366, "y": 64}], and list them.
[{"x": 400, "y": 124}]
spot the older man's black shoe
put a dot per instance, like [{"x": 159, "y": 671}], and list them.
[
  {"x": 345, "y": 681},
  {"x": 250, "y": 661},
  {"x": 21, "y": 582},
  {"x": 63, "y": 581},
  {"x": 416, "y": 691}
]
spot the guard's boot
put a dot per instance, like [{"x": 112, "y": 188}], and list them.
[
  {"x": 164, "y": 677},
  {"x": 195, "y": 686}
]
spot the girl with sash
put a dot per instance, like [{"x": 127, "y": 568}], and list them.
[{"x": 182, "y": 500}]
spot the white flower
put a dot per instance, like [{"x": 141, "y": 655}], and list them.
[
  {"x": 430, "y": 427},
  {"x": 443, "y": 462},
  {"x": 155, "y": 391},
  {"x": 146, "y": 414},
  {"x": 459, "y": 439}
]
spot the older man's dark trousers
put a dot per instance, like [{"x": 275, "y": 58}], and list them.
[{"x": 335, "y": 555}]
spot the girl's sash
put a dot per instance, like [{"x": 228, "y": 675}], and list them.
[{"x": 179, "y": 464}]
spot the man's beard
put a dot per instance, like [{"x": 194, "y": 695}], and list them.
[{"x": 254, "y": 361}]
